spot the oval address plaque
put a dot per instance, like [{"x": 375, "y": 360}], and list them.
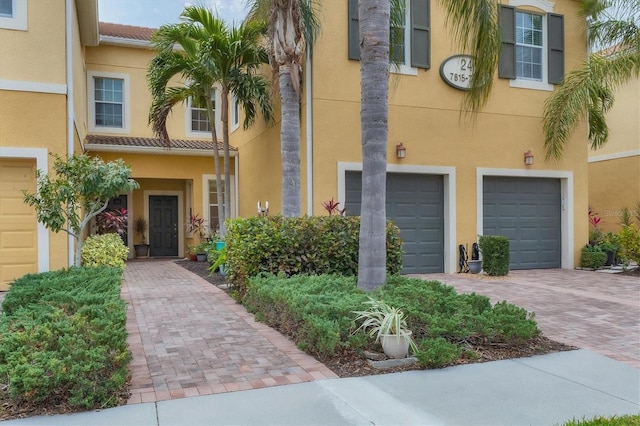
[{"x": 457, "y": 70}]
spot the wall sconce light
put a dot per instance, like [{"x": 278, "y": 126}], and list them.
[
  {"x": 528, "y": 158},
  {"x": 401, "y": 151}
]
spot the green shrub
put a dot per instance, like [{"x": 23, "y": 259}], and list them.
[
  {"x": 306, "y": 245},
  {"x": 592, "y": 257},
  {"x": 629, "y": 239},
  {"x": 495, "y": 254},
  {"x": 63, "y": 339},
  {"x": 317, "y": 313},
  {"x": 628, "y": 420},
  {"x": 437, "y": 353},
  {"x": 104, "y": 250}
]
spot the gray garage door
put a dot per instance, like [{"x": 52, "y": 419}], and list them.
[
  {"x": 415, "y": 203},
  {"x": 527, "y": 211}
]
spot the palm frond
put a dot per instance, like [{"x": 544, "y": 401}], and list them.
[{"x": 475, "y": 29}]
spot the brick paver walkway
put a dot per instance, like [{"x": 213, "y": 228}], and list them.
[
  {"x": 591, "y": 310},
  {"x": 189, "y": 338}
]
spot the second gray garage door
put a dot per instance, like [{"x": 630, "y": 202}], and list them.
[
  {"x": 415, "y": 203},
  {"x": 527, "y": 211}
]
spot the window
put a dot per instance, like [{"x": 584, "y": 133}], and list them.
[
  {"x": 108, "y": 102},
  {"x": 13, "y": 14},
  {"x": 197, "y": 123},
  {"x": 532, "y": 53},
  {"x": 235, "y": 113},
  {"x": 528, "y": 46},
  {"x": 411, "y": 38},
  {"x": 199, "y": 116},
  {"x": 6, "y": 8},
  {"x": 213, "y": 205}
]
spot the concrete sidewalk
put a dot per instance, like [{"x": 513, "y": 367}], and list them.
[{"x": 542, "y": 390}]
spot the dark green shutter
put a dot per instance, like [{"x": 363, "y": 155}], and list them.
[
  {"x": 420, "y": 34},
  {"x": 354, "y": 31},
  {"x": 507, "y": 63},
  {"x": 555, "y": 37}
]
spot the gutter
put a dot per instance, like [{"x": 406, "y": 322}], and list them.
[
  {"x": 152, "y": 150},
  {"x": 70, "y": 108},
  {"x": 125, "y": 42},
  {"x": 309, "y": 114}
]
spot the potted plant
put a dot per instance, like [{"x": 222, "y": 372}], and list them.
[
  {"x": 389, "y": 326},
  {"x": 140, "y": 226},
  {"x": 220, "y": 256},
  {"x": 610, "y": 244}
]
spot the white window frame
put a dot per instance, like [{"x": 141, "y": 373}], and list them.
[
  {"x": 18, "y": 19},
  {"x": 406, "y": 67},
  {"x": 234, "y": 113},
  {"x": 206, "y": 203},
  {"x": 126, "y": 102},
  {"x": 546, "y": 7},
  {"x": 188, "y": 130}
]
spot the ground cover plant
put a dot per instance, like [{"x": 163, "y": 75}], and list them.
[
  {"x": 630, "y": 420},
  {"x": 63, "y": 342},
  {"x": 317, "y": 312}
]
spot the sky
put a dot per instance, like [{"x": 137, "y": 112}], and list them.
[{"x": 153, "y": 13}]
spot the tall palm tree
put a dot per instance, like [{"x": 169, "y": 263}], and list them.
[
  {"x": 475, "y": 28},
  {"x": 293, "y": 28},
  {"x": 205, "y": 54},
  {"x": 589, "y": 89}
]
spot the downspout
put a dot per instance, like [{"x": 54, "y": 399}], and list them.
[
  {"x": 309, "y": 115},
  {"x": 70, "y": 110}
]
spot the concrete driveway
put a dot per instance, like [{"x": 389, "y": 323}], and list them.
[{"x": 591, "y": 310}]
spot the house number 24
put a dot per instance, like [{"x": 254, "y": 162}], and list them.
[{"x": 457, "y": 71}]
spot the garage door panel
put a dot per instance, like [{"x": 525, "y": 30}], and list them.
[
  {"x": 527, "y": 212},
  {"x": 415, "y": 203}
]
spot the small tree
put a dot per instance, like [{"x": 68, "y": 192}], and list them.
[{"x": 80, "y": 190}]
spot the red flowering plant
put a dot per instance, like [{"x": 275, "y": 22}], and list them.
[
  {"x": 197, "y": 225},
  {"x": 332, "y": 207},
  {"x": 112, "y": 222},
  {"x": 595, "y": 234}
]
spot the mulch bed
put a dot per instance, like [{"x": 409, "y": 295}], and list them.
[{"x": 349, "y": 363}]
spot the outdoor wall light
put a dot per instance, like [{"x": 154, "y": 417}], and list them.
[
  {"x": 401, "y": 151},
  {"x": 528, "y": 158}
]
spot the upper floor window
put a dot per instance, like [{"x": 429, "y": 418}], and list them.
[
  {"x": 411, "y": 36},
  {"x": 528, "y": 46},
  {"x": 532, "y": 53},
  {"x": 13, "y": 14},
  {"x": 199, "y": 116},
  {"x": 197, "y": 122},
  {"x": 108, "y": 103},
  {"x": 235, "y": 113}
]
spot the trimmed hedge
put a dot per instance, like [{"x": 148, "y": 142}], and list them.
[
  {"x": 592, "y": 257},
  {"x": 302, "y": 245},
  {"x": 495, "y": 254},
  {"x": 104, "y": 250},
  {"x": 63, "y": 339}
]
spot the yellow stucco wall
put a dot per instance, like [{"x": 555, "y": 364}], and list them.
[{"x": 20, "y": 61}]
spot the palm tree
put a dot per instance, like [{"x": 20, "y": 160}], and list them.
[
  {"x": 206, "y": 55},
  {"x": 589, "y": 89},
  {"x": 293, "y": 28},
  {"x": 475, "y": 28}
]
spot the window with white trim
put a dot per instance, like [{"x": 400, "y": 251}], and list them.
[
  {"x": 213, "y": 205},
  {"x": 197, "y": 123},
  {"x": 13, "y": 14},
  {"x": 235, "y": 113},
  {"x": 108, "y": 102},
  {"x": 210, "y": 199}
]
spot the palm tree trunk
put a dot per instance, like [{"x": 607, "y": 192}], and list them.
[
  {"x": 374, "y": 70},
  {"x": 224, "y": 115},
  {"x": 216, "y": 163},
  {"x": 290, "y": 145}
]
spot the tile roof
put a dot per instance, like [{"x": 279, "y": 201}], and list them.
[
  {"x": 129, "y": 32},
  {"x": 128, "y": 141}
]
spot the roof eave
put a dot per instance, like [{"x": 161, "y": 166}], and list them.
[
  {"x": 88, "y": 21},
  {"x": 125, "y": 42},
  {"x": 92, "y": 147}
]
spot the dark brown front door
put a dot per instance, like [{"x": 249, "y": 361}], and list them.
[{"x": 163, "y": 225}]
